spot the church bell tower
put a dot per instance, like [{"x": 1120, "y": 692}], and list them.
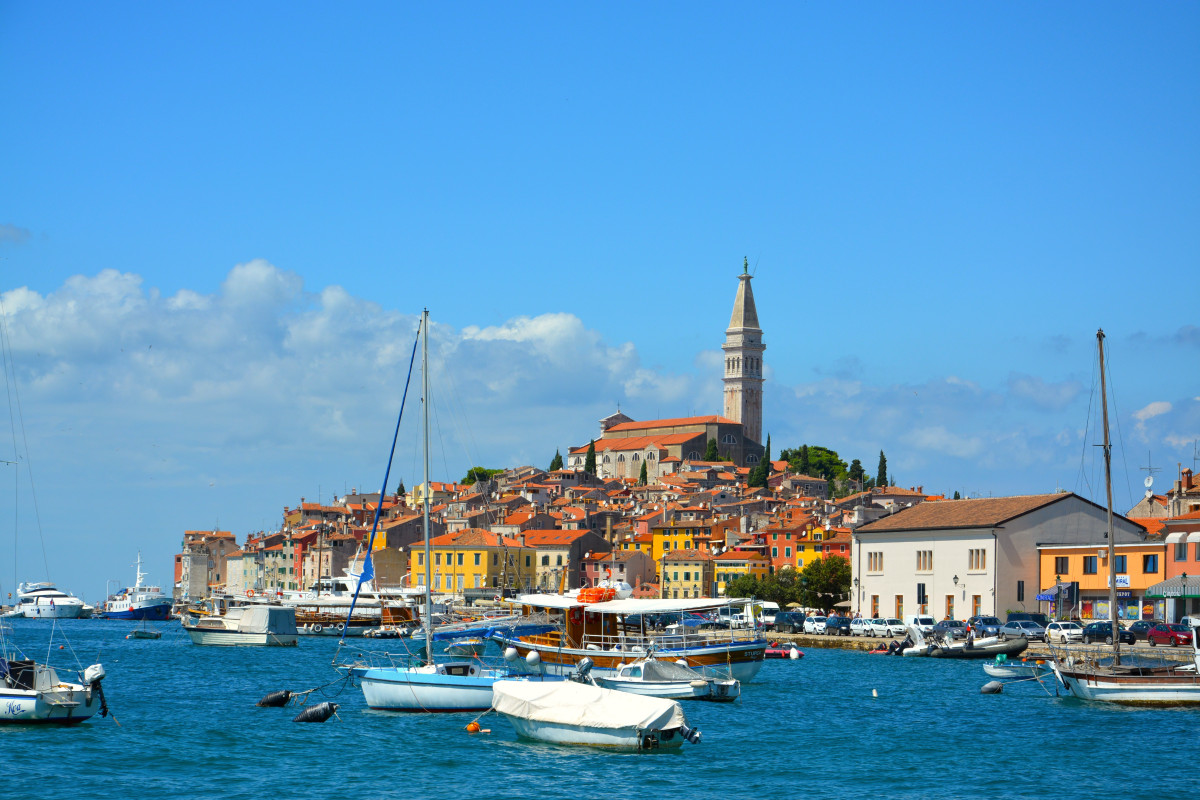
[{"x": 743, "y": 361}]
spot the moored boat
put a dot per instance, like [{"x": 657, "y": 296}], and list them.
[
  {"x": 984, "y": 648},
  {"x": 654, "y": 677},
  {"x": 611, "y": 633},
  {"x": 138, "y": 601},
  {"x": 569, "y": 712},
  {"x": 260, "y": 625},
  {"x": 44, "y": 600}
]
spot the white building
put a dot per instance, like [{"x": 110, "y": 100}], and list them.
[{"x": 960, "y": 558}]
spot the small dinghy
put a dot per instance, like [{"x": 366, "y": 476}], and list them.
[
  {"x": 653, "y": 677},
  {"x": 1003, "y": 668}
]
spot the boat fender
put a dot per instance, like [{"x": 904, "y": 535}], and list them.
[
  {"x": 681, "y": 662},
  {"x": 690, "y": 734},
  {"x": 511, "y": 654},
  {"x": 341, "y": 626},
  {"x": 318, "y": 713},
  {"x": 275, "y": 699},
  {"x": 794, "y": 654},
  {"x": 992, "y": 687},
  {"x": 317, "y": 628},
  {"x": 534, "y": 658}
]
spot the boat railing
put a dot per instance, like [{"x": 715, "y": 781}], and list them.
[
  {"x": 1085, "y": 657},
  {"x": 636, "y": 642}
]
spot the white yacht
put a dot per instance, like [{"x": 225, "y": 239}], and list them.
[{"x": 45, "y": 601}]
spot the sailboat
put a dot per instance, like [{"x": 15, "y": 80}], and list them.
[
  {"x": 432, "y": 684},
  {"x": 1092, "y": 674}
]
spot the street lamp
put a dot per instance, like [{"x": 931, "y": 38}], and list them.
[
  {"x": 857, "y": 597},
  {"x": 1183, "y": 590}
]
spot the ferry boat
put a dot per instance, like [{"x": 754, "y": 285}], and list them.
[
  {"x": 138, "y": 601},
  {"x": 614, "y": 632},
  {"x": 45, "y": 601}
]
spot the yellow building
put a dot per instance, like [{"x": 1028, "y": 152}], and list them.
[
  {"x": 733, "y": 564},
  {"x": 683, "y": 536},
  {"x": 474, "y": 558},
  {"x": 686, "y": 573}
]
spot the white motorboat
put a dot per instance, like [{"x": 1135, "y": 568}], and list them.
[
  {"x": 31, "y": 693},
  {"x": 652, "y": 677},
  {"x": 45, "y": 601},
  {"x": 261, "y": 625},
  {"x": 569, "y": 712}
]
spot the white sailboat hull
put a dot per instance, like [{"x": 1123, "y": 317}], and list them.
[
  {"x": 69, "y": 704},
  {"x": 452, "y": 686},
  {"x": 1181, "y": 687},
  {"x": 238, "y": 638}
]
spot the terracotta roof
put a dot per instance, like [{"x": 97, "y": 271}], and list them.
[
  {"x": 982, "y": 513},
  {"x": 670, "y": 423},
  {"x": 1154, "y": 527},
  {"x": 551, "y": 537},
  {"x": 688, "y": 555}
]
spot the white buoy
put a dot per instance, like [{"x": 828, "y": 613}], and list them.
[
  {"x": 793, "y": 654},
  {"x": 874, "y": 693},
  {"x": 511, "y": 654},
  {"x": 533, "y": 658}
]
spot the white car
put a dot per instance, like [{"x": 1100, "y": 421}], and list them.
[
  {"x": 886, "y": 626},
  {"x": 814, "y": 624},
  {"x": 860, "y": 627},
  {"x": 1064, "y": 632}
]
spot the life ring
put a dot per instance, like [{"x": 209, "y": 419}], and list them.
[
  {"x": 576, "y": 615},
  {"x": 249, "y": 593},
  {"x": 496, "y": 598},
  {"x": 318, "y": 628}
]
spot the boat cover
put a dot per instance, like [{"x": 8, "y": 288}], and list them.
[
  {"x": 655, "y": 670},
  {"x": 278, "y": 620},
  {"x": 584, "y": 705}
]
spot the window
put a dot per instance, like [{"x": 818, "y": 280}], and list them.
[
  {"x": 1121, "y": 564},
  {"x": 900, "y": 606},
  {"x": 1089, "y": 565},
  {"x": 1020, "y": 591},
  {"x": 460, "y": 559},
  {"x": 977, "y": 558},
  {"x": 437, "y": 559},
  {"x": 1150, "y": 563},
  {"x": 753, "y": 459},
  {"x": 729, "y": 438},
  {"x": 1181, "y": 551},
  {"x": 545, "y": 561},
  {"x": 528, "y": 559},
  {"x": 675, "y": 577},
  {"x": 924, "y": 561},
  {"x": 495, "y": 559},
  {"x": 874, "y": 606},
  {"x": 635, "y": 457},
  {"x": 1060, "y": 565},
  {"x": 687, "y": 576},
  {"x": 774, "y": 552},
  {"x": 875, "y": 562},
  {"x": 477, "y": 559},
  {"x": 558, "y": 561},
  {"x": 787, "y": 552}
]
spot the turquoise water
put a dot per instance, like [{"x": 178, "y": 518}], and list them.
[{"x": 189, "y": 728}]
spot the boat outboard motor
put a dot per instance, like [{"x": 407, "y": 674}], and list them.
[
  {"x": 690, "y": 734},
  {"x": 92, "y": 677},
  {"x": 584, "y": 667}
]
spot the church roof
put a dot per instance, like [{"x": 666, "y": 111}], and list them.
[
  {"x": 745, "y": 315},
  {"x": 671, "y": 423}
]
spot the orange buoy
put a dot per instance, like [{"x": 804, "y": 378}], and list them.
[{"x": 473, "y": 727}]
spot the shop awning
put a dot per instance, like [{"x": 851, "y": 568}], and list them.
[
  {"x": 1176, "y": 587},
  {"x": 1051, "y": 592}
]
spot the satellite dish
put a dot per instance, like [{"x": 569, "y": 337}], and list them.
[
  {"x": 1148, "y": 482},
  {"x": 1149, "y": 493}
]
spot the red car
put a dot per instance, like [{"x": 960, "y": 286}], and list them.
[{"x": 1166, "y": 633}]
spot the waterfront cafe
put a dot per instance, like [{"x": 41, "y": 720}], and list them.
[{"x": 1175, "y": 597}]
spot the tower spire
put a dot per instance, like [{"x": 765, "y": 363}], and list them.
[{"x": 743, "y": 360}]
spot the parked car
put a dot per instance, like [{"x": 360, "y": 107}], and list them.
[
  {"x": 1170, "y": 633},
  {"x": 790, "y": 621},
  {"x": 1141, "y": 627},
  {"x": 1064, "y": 631},
  {"x": 860, "y": 627},
  {"x": 814, "y": 624},
  {"x": 951, "y": 629},
  {"x": 1102, "y": 632},
  {"x": 1033, "y": 616},
  {"x": 984, "y": 626},
  {"x": 837, "y": 626},
  {"x": 886, "y": 626},
  {"x": 1025, "y": 628}
]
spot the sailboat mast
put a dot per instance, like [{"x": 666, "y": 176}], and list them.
[
  {"x": 425, "y": 494},
  {"x": 1112, "y": 548}
]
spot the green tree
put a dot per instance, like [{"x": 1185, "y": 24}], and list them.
[
  {"x": 881, "y": 476},
  {"x": 400, "y": 490},
  {"x": 804, "y": 465},
  {"x": 825, "y": 581},
  {"x": 957, "y": 496},
  {"x": 642, "y": 477},
  {"x": 556, "y": 463},
  {"x": 589, "y": 461},
  {"x": 710, "y": 452},
  {"x": 478, "y": 474},
  {"x": 856, "y": 472}
]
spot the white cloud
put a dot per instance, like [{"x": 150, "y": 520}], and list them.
[{"x": 1155, "y": 409}]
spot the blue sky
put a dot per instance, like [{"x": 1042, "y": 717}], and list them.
[{"x": 218, "y": 224}]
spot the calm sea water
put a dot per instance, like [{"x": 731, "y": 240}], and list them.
[{"x": 189, "y": 728}]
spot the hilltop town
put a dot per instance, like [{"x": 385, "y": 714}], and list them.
[{"x": 695, "y": 507}]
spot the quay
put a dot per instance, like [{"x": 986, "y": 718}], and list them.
[{"x": 865, "y": 643}]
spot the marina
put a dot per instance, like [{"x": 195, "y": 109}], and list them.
[{"x": 209, "y": 738}]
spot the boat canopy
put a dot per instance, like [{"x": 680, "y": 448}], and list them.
[
  {"x": 651, "y": 605},
  {"x": 584, "y": 705}
]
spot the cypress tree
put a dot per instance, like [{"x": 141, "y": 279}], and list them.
[
  {"x": 556, "y": 462},
  {"x": 881, "y": 479},
  {"x": 589, "y": 461},
  {"x": 710, "y": 452},
  {"x": 642, "y": 476}
]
